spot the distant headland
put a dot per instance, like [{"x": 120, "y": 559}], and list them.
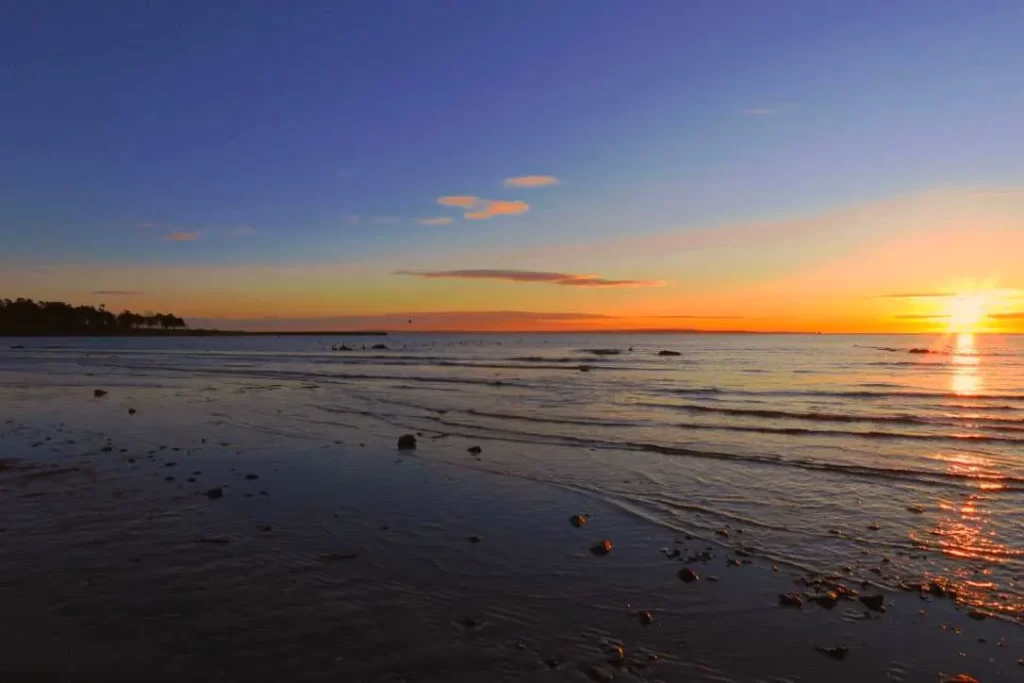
[{"x": 29, "y": 318}]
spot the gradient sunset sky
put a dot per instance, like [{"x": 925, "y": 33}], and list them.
[{"x": 565, "y": 164}]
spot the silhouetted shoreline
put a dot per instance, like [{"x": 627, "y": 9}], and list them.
[{"x": 196, "y": 333}]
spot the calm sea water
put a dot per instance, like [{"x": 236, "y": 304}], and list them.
[{"x": 847, "y": 455}]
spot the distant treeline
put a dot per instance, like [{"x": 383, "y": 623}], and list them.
[{"x": 22, "y": 317}]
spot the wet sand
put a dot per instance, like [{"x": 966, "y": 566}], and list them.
[{"x": 350, "y": 562}]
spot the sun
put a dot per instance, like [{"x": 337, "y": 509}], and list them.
[{"x": 966, "y": 312}]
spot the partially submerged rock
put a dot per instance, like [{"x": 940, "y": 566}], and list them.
[
  {"x": 99, "y": 393},
  {"x": 601, "y": 547},
  {"x": 687, "y": 575},
  {"x": 876, "y": 603},
  {"x": 132, "y": 411},
  {"x": 215, "y": 493},
  {"x": 407, "y": 442},
  {"x": 791, "y": 600},
  {"x": 834, "y": 652},
  {"x": 604, "y": 352},
  {"x": 646, "y": 618},
  {"x": 338, "y": 557},
  {"x": 666, "y": 352},
  {"x": 475, "y": 450}
]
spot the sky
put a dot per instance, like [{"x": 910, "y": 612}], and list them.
[{"x": 548, "y": 165}]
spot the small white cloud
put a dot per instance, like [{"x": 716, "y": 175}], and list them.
[{"x": 437, "y": 220}]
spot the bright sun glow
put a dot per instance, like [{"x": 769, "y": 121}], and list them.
[{"x": 966, "y": 312}]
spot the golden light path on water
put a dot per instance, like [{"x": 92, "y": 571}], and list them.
[{"x": 964, "y": 529}]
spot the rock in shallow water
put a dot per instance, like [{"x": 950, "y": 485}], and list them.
[
  {"x": 834, "y": 652},
  {"x": 874, "y": 602},
  {"x": 214, "y": 494},
  {"x": 790, "y": 600},
  {"x": 99, "y": 393},
  {"x": 687, "y": 575},
  {"x": 407, "y": 442},
  {"x": 602, "y": 547}
]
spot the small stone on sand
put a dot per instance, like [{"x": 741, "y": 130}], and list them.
[
  {"x": 578, "y": 520},
  {"x": 216, "y": 493},
  {"x": 407, "y": 442},
  {"x": 99, "y": 393},
  {"x": 475, "y": 450}
]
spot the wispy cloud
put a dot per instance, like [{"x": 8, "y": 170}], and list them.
[
  {"x": 385, "y": 220},
  {"x": 489, "y": 208},
  {"x": 460, "y": 201},
  {"x": 145, "y": 225},
  {"x": 531, "y": 181},
  {"x": 118, "y": 292},
  {"x": 564, "y": 279},
  {"x": 1014, "y": 315},
  {"x": 242, "y": 231},
  {"x": 436, "y": 220},
  {"x": 921, "y": 316},
  {"x": 184, "y": 236},
  {"x": 764, "y": 109}
]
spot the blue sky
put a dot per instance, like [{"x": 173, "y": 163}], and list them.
[{"x": 303, "y": 122}]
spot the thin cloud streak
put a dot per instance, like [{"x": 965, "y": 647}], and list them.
[
  {"x": 1015, "y": 315},
  {"x": 921, "y": 316},
  {"x": 531, "y": 181},
  {"x": 699, "y": 317},
  {"x": 531, "y": 276},
  {"x": 460, "y": 201},
  {"x": 918, "y": 295},
  {"x": 482, "y": 320},
  {"x": 184, "y": 236},
  {"x": 118, "y": 292},
  {"x": 438, "y": 220}
]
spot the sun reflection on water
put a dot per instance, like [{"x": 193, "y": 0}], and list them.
[
  {"x": 964, "y": 532},
  {"x": 966, "y": 379}
]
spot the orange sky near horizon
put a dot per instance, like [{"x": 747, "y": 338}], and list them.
[{"x": 889, "y": 266}]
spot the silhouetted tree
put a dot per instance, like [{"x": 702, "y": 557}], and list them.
[{"x": 28, "y": 317}]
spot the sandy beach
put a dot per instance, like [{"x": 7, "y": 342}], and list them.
[{"x": 161, "y": 545}]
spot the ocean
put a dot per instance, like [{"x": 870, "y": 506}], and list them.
[{"x": 895, "y": 460}]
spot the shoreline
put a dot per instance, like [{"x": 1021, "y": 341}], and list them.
[{"x": 358, "y": 561}]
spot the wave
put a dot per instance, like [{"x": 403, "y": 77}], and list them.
[
  {"x": 821, "y": 393},
  {"x": 995, "y": 423},
  {"x": 1008, "y": 483},
  {"x": 801, "y": 431}
]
